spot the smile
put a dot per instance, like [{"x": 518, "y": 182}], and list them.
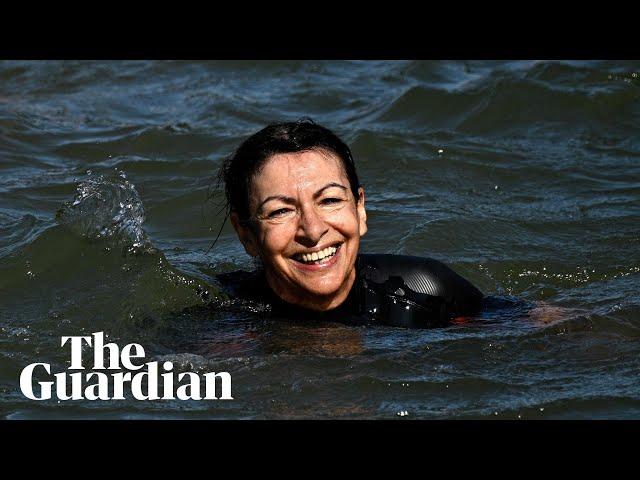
[{"x": 320, "y": 257}]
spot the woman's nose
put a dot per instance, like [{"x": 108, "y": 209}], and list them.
[{"x": 311, "y": 227}]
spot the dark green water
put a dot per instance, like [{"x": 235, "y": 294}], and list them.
[{"x": 522, "y": 176}]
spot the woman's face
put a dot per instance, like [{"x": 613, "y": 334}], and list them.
[{"x": 305, "y": 226}]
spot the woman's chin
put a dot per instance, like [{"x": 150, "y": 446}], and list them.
[
  {"x": 325, "y": 293},
  {"x": 322, "y": 284},
  {"x": 320, "y": 303},
  {"x": 322, "y": 293},
  {"x": 319, "y": 294}
]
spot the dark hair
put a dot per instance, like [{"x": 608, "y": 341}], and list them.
[{"x": 288, "y": 137}]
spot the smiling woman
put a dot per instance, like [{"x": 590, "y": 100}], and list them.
[
  {"x": 295, "y": 201},
  {"x": 305, "y": 227}
]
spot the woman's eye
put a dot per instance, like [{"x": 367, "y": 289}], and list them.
[{"x": 279, "y": 213}]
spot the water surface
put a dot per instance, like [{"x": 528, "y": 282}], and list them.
[{"x": 523, "y": 176}]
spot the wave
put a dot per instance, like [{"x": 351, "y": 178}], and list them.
[
  {"x": 107, "y": 208},
  {"x": 543, "y": 94}
]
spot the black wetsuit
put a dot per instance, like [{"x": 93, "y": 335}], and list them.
[{"x": 394, "y": 290}]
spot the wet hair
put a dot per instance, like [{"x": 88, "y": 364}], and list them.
[{"x": 238, "y": 169}]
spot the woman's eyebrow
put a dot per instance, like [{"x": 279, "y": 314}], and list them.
[
  {"x": 328, "y": 185},
  {"x": 290, "y": 200},
  {"x": 282, "y": 198}
]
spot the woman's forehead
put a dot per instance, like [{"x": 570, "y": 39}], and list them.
[{"x": 300, "y": 170}]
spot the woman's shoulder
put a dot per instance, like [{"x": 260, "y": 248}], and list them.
[{"x": 420, "y": 275}]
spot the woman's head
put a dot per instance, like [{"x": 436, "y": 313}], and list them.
[{"x": 296, "y": 203}]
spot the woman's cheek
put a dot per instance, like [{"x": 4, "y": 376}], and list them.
[
  {"x": 275, "y": 241},
  {"x": 345, "y": 222}
]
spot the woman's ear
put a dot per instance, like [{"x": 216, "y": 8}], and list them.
[
  {"x": 362, "y": 213},
  {"x": 245, "y": 235}
]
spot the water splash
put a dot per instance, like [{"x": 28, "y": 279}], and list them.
[{"x": 107, "y": 207}]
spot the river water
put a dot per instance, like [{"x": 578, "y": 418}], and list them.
[{"x": 523, "y": 176}]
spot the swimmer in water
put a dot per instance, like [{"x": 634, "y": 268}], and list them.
[{"x": 295, "y": 202}]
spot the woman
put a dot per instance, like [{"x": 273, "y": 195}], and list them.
[{"x": 296, "y": 204}]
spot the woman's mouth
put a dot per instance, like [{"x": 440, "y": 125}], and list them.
[{"x": 321, "y": 257}]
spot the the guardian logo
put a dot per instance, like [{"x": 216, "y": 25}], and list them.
[{"x": 145, "y": 383}]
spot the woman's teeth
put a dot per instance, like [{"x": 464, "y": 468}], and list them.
[{"x": 316, "y": 256}]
